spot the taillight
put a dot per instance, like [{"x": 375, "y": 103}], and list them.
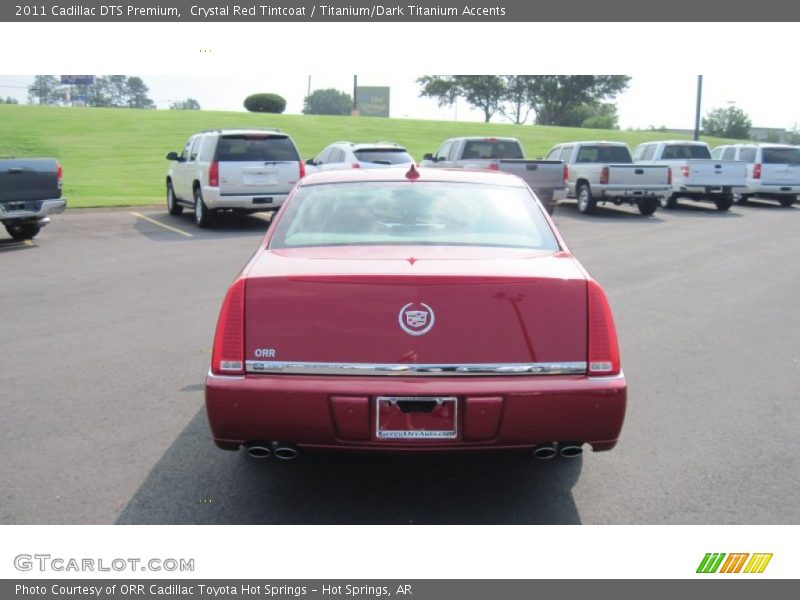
[
  {"x": 604, "y": 175},
  {"x": 213, "y": 174},
  {"x": 603, "y": 346},
  {"x": 757, "y": 171},
  {"x": 566, "y": 174},
  {"x": 494, "y": 167},
  {"x": 227, "y": 357},
  {"x": 685, "y": 170},
  {"x": 59, "y": 174},
  {"x": 669, "y": 175},
  {"x": 302, "y": 172},
  {"x": 356, "y": 165}
]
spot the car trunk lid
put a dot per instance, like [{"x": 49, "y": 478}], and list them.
[{"x": 396, "y": 306}]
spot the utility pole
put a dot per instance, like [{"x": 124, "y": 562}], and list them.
[
  {"x": 309, "y": 86},
  {"x": 355, "y": 91},
  {"x": 697, "y": 110}
]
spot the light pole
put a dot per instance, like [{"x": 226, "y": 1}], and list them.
[{"x": 697, "y": 110}]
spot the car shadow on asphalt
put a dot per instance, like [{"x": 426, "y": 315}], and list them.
[
  {"x": 196, "y": 483},
  {"x": 765, "y": 204},
  {"x": 224, "y": 226},
  {"x": 687, "y": 208},
  {"x": 608, "y": 213}
]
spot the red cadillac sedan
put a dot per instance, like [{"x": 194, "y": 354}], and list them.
[{"x": 414, "y": 311}]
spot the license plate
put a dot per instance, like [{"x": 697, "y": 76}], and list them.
[{"x": 417, "y": 417}]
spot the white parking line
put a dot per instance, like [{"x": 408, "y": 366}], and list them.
[{"x": 167, "y": 227}]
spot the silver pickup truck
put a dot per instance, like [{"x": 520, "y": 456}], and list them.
[
  {"x": 695, "y": 175},
  {"x": 604, "y": 172},
  {"x": 30, "y": 189},
  {"x": 547, "y": 178}
]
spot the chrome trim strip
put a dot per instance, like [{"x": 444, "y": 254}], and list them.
[
  {"x": 211, "y": 375},
  {"x": 274, "y": 367}
]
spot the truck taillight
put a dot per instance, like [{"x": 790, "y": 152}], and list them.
[
  {"x": 757, "y": 171},
  {"x": 603, "y": 346},
  {"x": 213, "y": 174},
  {"x": 604, "y": 175},
  {"x": 227, "y": 357},
  {"x": 302, "y": 172},
  {"x": 566, "y": 174},
  {"x": 59, "y": 174},
  {"x": 494, "y": 166},
  {"x": 685, "y": 170},
  {"x": 669, "y": 175},
  {"x": 356, "y": 165}
]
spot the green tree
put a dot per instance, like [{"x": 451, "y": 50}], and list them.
[
  {"x": 266, "y": 103},
  {"x": 601, "y": 115},
  {"x": 327, "y": 102},
  {"x": 484, "y": 92},
  {"x": 516, "y": 108},
  {"x": 136, "y": 94},
  {"x": 9, "y": 100},
  {"x": 731, "y": 122},
  {"x": 188, "y": 104},
  {"x": 46, "y": 89},
  {"x": 555, "y": 97}
]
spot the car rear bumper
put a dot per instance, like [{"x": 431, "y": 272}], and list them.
[
  {"x": 339, "y": 412},
  {"x": 254, "y": 202},
  {"x": 632, "y": 192},
  {"x": 30, "y": 209},
  {"x": 756, "y": 187}
]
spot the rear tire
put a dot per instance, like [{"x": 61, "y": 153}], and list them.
[
  {"x": 173, "y": 207},
  {"x": 202, "y": 216},
  {"x": 648, "y": 206},
  {"x": 670, "y": 201},
  {"x": 724, "y": 203},
  {"x": 586, "y": 202},
  {"x": 787, "y": 201},
  {"x": 23, "y": 231}
]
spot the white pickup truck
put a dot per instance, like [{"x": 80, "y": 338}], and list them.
[
  {"x": 695, "y": 175},
  {"x": 547, "y": 178},
  {"x": 604, "y": 172}
]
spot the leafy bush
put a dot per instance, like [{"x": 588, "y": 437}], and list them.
[{"x": 266, "y": 103}]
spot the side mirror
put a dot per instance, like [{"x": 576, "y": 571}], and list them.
[
  {"x": 173, "y": 156},
  {"x": 311, "y": 162},
  {"x": 429, "y": 156}
]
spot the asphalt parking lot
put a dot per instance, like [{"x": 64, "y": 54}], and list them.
[{"x": 106, "y": 328}]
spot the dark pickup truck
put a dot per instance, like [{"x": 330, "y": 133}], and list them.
[{"x": 30, "y": 189}]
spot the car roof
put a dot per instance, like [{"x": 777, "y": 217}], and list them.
[
  {"x": 363, "y": 145},
  {"x": 598, "y": 143},
  {"x": 246, "y": 131},
  {"x": 425, "y": 174},
  {"x": 689, "y": 142}
]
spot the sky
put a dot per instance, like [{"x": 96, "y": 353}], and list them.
[{"x": 651, "y": 99}]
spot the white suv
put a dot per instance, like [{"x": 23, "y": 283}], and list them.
[
  {"x": 242, "y": 170},
  {"x": 347, "y": 155},
  {"x": 773, "y": 170}
]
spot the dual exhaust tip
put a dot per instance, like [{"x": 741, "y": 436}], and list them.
[
  {"x": 280, "y": 450},
  {"x": 565, "y": 449}
]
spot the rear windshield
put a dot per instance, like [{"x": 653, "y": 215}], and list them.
[
  {"x": 685, "y": 151},
  {"x": 384, "y": 156},
  {"x": 604, "y": 154},
  {"x": 256, "y": 148},
  {"x": 781, "y": 156},
  {"x": 492, "y": 149},
  {"x": 413, "y": 213}
]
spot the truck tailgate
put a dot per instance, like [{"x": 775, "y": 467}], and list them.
[
  {"x": 540, "y": 175},
  {"x": 28, "y": 179},
  {"x": 713, "y": 173},
  {"x": 638, "y": 176}
]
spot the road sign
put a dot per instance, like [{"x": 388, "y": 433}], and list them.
[{"x": 372, "y": 101}]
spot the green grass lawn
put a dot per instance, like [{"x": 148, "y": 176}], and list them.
[{"x": 115, "y": 157}]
